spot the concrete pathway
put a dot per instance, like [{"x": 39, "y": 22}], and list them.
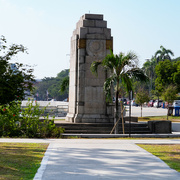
[{"x": 91, "y": 159}]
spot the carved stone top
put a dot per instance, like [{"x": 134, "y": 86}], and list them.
[{"x": 93, "y": 16}]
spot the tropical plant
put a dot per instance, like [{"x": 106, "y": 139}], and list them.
[
  {"x": 18, "y": 122},
  {"x": 122, "y": 69},
  {"x": 163, "y": 54}
]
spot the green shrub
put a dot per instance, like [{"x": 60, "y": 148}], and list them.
[{"x": 17, "y": 122}]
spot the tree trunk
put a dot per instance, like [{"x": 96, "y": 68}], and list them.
[
  {"x": 116, "y": 113},
  {"x": 116, "y": 116},
  {"x": 167, "y": 111}
]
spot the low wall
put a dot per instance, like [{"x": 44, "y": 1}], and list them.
[
  {"x": 175, "y": 127},
  {"x": 160, "y": 127},
  {"x": 53, "y": 108}
]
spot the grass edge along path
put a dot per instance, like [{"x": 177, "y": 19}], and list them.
[
  {"x": 169, "y": 153},
  {"x": 159, "y": 118},
  {"x": 20, "y": 161}
]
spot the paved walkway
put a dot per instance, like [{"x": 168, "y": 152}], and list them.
[{"x": 91, "y": 159}]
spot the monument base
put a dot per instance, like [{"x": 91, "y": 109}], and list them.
[
  {"x": 94, "y": 118},
  {"x": 89, "y": 118}
]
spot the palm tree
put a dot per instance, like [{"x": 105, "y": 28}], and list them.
[
  {"x": 163, "y": 54},
  {"x": 149, "y": 69},
  {"x": 122, "y": 68}
]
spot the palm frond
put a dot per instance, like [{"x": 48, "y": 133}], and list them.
[
  {"x": 130, "y": 60},
  {"x": 107, "y": 88},
  {"x": 94, "y": 67},
  {"x": 109, "y": 61},
  {"x": 126, "y": 81},
  {"x": 138, "y": 74},
  {"x": 157, "y": 53}
]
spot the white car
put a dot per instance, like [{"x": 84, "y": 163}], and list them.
[
  {"x": 176, "y": 103},
  {"x": 156, "y": 103},
  {"x": 133, "y": 103}
]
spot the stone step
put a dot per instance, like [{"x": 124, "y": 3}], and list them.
[
  {"x": 103, "y": 128},
  {"x": 103, "y": 132},
  {"x": 99, "y": 125}
]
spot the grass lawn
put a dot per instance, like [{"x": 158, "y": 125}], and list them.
[
  {"x": 20, "y": 160},
  {"x": 170, "y": 154},
  {"x": 152, "y": 118}
]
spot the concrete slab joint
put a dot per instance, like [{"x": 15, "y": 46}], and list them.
[{"x": 91, "y": 40}]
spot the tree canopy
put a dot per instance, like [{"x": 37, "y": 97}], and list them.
[
  {"x": 167, "y": 73},
  {"x": 163, "y": 54},
  {"x": 49, "y": 87},
  {"x": 16, "y": 79}
]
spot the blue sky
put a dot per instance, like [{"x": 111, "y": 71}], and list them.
[{"x": 45, "y": 28}]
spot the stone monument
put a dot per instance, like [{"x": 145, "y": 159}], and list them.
[{"x": 91, "y": 41}]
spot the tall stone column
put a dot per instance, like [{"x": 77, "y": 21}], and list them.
[{"x": 91, "y": 41}]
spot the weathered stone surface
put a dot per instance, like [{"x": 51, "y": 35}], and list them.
[
  {"x": 100, "y": 23},
  {"x": 96, "y": 36},
  {"x": 81, "y": 43},
  {"x": 109, "y": 44},
  {"x": 95, "y": 30},
  {"x": 96, "y": 48},
  {"x": 86, "y": 97},
  {"x": 107, "y": 33},
  {"x": 82, "y": 32},
  {"x": 93, "y": 16},
  {"x": 88, "y": 23}
]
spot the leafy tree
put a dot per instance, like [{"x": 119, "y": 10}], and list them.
[
  {"x": 49, "y": 87},
  {"x": 176, "y": 75},
  {"x": 15, "y": 79},
  {"x": 169, "y": 95},
  {"x": 141, "y": 97},
  {"x": 176, "y": 59},
  {"x": 167, "y": 73},
  {"x": 122, "y": 68},
  {"x": 63, "y": 74},
  {"x": 163, "y": 54},
  {"x": 64, "y": 84}
]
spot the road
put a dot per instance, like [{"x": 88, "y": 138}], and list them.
[{"x": 146, "y": 111}]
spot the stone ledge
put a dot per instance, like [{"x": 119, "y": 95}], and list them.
[
  {"x": 160, "y": 126},
  {"x": 93, "y": 16},
  {"x": 122, "y": 135}
]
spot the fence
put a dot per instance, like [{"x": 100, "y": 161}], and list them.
[{"x": 53, "y": 108}]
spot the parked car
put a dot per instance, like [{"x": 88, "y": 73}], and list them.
[
  {"x": 133, "y": 103},
  {"x": 156, "y": 104},
  {"x": 176, "y": 103},
  {"x": 150, "y": 103}
]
